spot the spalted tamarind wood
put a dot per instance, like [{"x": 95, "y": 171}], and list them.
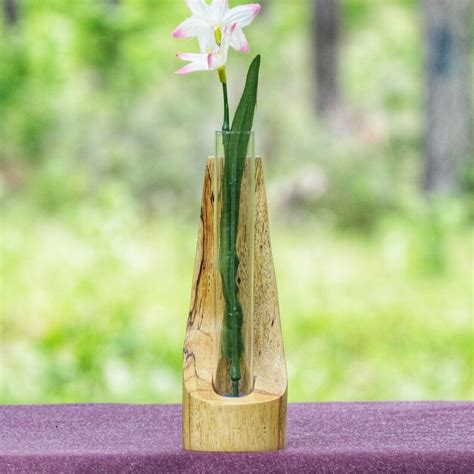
[{"x": 255, "y": 422}]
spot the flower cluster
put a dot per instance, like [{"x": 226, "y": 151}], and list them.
[{"x": 217, "y": 28}]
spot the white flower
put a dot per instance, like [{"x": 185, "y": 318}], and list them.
[
  {"x": 216, "y": 27},
  {"x": 210, "y": 61}
]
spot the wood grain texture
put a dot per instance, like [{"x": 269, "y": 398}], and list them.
[{"x": 256, "y": 422}]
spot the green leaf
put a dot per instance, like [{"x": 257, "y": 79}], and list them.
[
  {"x": 243, "y": 119},
  {"x": 235, "y": 148}
]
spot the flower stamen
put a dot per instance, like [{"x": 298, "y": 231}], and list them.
[{"x": 218, "y": 35}]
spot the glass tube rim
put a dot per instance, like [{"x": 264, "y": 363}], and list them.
[{"x": 234, "y": 132}]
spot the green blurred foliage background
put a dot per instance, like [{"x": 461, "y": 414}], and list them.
[{"x": 102, "y": 153}]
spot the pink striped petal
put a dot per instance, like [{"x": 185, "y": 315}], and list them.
[
  {"x": 219, "y": 8},
  {"x": 191, "y": 67},
  {"x": 189, "y": 56},
  {"x": 190, "y": 27},
  {"x": 214, "y": 62},
  {"x": 239, "y": 42},
  {"x": 199, "y": 62},
  {"x": 198, "y": 7},
  {"x": 242, "y": 15}
]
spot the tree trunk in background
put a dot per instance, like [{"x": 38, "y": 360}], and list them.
[
  {"x": 326, "y": 49},
  {"x": 448, "y": 147},
  {"x": 10, "y": 12}
]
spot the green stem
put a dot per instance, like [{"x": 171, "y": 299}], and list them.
[
  {"x": 225, "y": 125},
  {"x": 233, "y": 262},
  {"x": 231, "y": 199}
]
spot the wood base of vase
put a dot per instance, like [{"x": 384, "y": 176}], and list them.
[{"x": 256, "y": 422}]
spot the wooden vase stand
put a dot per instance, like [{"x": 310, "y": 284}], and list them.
[{"x": 257, "y": 421}]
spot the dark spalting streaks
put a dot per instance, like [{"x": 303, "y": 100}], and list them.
[
  {"x": 191, "y": 360},
  {"x": 197, "y": 302}
]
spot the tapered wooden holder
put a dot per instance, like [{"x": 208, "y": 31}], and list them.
[{"x": 255, "y": 422}]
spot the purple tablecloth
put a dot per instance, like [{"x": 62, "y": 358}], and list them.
[{"x": 409, "y": 437}]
